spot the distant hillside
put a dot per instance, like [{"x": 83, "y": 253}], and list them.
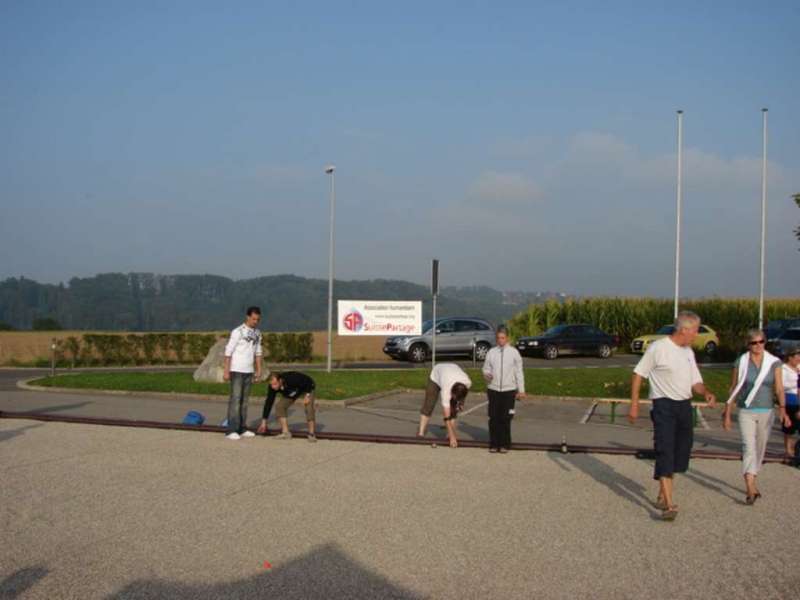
[{"x": 148, "y": 302}]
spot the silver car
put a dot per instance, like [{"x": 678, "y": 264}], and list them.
[{"x": 455, "y": 336}]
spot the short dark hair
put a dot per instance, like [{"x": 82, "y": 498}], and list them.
[
  {"x": 459, "y": 391},
  {"x": 501, "y": 329},
  {"x": 253, "y": 309},
  {"x": 790, "y": 353},
  {"x": 277, "y": 375},
  {"x": 457, "y": 394}
]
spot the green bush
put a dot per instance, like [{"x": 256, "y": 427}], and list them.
[
  {"x": 199, "y": 345},
  {"x": 288, "y": 347},
  {"x": 72, "y": 348}
]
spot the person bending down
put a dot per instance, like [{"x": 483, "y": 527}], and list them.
[
  {"x": 291, "y": 386},
  {"x": 449, "y": 384}
]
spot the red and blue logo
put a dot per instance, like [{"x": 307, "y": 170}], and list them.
[{"x": 353, "y": 321}]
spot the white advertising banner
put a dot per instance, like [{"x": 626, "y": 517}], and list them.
[{"x": 380, "y": 317}]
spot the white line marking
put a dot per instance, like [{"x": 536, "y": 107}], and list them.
[
  {"x": 588, "y": 414},
  {"x": 474, "y": 408}
]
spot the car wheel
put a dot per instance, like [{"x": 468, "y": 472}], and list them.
[
  {"x": 481, "y": 350},
  {"x": 550, "y": 352},
  {"x": 710, "y": 348},
  {"x": 604, "y": 351},
  {"x": 418, "y": 353}
]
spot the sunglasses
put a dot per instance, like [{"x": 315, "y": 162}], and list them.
[{"x": 755, "y": 342}]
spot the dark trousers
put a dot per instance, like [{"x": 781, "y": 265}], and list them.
[
  {"x": 237, "y": 403},
  {"x": 500, "y": 406},
  {"x": 673, "y": 435}
]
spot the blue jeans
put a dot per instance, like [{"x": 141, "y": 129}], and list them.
[{"x": 237, "y": 403}]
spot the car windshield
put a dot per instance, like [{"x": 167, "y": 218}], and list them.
[
  {"x": 666, "y": 330},
  {"x": 426, "y": 326},
  {"x": 558, "y": 329}
]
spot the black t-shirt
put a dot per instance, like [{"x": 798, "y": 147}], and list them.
[{"x": 295, "y": 384}]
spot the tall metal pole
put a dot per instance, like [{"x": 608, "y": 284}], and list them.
[
  {"x": 330, "y": 170},
  {"x": 433, "y": 341},
  {"x": 678, "y": 202},
  {"x": 763, "y": 216}
]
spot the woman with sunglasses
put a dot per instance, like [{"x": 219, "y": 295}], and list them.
[{"x": 757, "y": 380}]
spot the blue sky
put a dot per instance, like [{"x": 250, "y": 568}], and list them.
[{"x": 526, "y": 145}]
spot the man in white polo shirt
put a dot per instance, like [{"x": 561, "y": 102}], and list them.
[
  {"x": 449, "y": 384},
  {"x": 670, "y": 367},
  {"x": 242, "y": 357}
]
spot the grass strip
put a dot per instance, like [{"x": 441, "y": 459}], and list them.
[{"x": 613, "y": 382}]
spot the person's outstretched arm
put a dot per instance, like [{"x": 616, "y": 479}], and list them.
[
  {"x": 451, "y": 427},
  {"x": 268, "y": 402},
  {"x": 519, "y": 370},
  {"x": 636, "y": 386}
]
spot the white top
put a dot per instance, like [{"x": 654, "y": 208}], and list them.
[
  {"x": 243, "y": 347},
  {"x": 504, "y": 364},
  {"x": 790, "y": 379},
  {"x": 671, "y": 370},
  {"x": 446, "y": 375}
]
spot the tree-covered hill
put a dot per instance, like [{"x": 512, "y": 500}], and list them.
[{"x": 149, "y": 302}]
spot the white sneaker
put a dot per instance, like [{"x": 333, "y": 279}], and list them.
[
  {"x": 233, "y": 436},
  {"x": 248, "y": 434}
]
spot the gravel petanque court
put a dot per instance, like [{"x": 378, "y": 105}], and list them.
[{"x": 98, "y": 512}]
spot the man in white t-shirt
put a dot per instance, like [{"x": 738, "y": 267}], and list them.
[
  {"x": 449, "y": 384},
  {"x": 670, "y": 367},
  {"x": 242, "y": 358}
]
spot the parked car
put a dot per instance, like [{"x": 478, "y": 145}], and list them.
[
  {"x": 706, "y": 341},
  {"x": 569, "y": 339},
  {"x": 776, "y": 327},
  {"x": 455, "y": 336},
  {"x": 787, "y": 340}
]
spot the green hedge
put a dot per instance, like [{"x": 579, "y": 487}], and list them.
[
  {"x": 134, "y": 349},
  {"x": 288, "y": 347},
  {"x": 98, "y": 349},
  {"x": 631, "y": 317}
]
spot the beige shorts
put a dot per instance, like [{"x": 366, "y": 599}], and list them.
[{"x": 282, "y": 407}]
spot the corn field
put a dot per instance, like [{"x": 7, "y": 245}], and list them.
[{"x": 631, "y": 317}]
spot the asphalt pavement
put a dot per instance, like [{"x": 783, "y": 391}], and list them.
[
  {"x": 536, "y": 420},
  {"x": 107, "y": 512}
]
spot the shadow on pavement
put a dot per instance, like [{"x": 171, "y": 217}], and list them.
[
  {"x": 714, "y": 484},
  {"x": 20, "y": 582},
  {"x": 624, "y": 487},
  {"x": 8, "y": 434},
  {"x": 59, "y": 407},
  {"x": 325, "y": 572}
]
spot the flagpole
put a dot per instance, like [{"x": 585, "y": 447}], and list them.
[
  {"x": 678, "y": 203},
  {"x": 763, "y": 215}
]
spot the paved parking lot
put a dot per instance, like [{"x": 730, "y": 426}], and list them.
[
  {"x": 108, "y": 512},
  {"x": 536, "y": 421}
]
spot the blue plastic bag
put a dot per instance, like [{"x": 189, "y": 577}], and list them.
[{"x": 194, "y": 418}]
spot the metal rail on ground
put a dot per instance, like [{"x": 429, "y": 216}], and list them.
[{"x": 643, "y": 453}]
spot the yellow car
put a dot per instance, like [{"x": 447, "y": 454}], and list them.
[{"x": 706, "y": 341}]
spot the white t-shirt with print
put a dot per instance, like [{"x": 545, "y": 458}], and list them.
[
  {"x": 670, "y": 369},
  {"x": 242, "y": 348}
]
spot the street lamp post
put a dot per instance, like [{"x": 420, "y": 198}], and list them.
[
  {"x": 330, "y": 170},
  {"x": 678, "y": 202},
  {"x": 763, "y": 215}
]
